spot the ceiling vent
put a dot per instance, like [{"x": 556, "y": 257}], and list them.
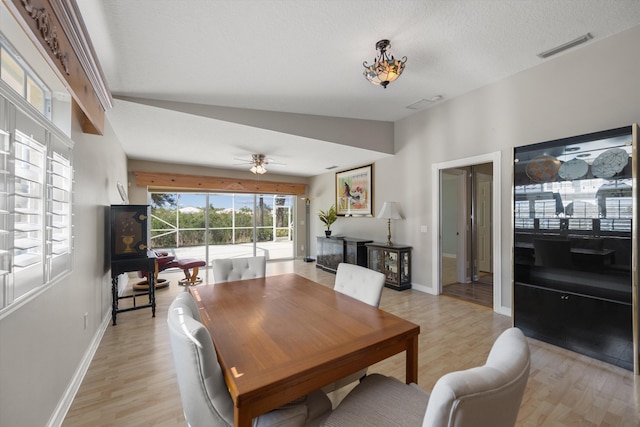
[{"x": 424, "y": 102}]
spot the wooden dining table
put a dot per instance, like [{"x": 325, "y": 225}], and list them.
[{"x": 281, "y": 337}]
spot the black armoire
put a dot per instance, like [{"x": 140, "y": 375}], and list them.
[{"x": 575, "y": 245}]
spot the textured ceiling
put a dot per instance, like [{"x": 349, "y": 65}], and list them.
[{"x": 305, "y": 56}]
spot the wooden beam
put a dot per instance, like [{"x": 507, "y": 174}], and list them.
[{"x": 172, "y": 181}]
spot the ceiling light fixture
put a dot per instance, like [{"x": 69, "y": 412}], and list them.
[
  {"x": 385, "y": 68},
  {"x": 258, "y": 160}
]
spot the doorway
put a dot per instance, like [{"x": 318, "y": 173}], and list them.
[
  {"x": 466, "y": 211},
  {"x": 466, "y": 233}
]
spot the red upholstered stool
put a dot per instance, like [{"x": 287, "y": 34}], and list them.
[
  {"x": 163, "y": 261},
  {"x": 190, "y": 277}
]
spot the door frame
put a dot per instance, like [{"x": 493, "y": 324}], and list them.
[{"x": 436, "y": 236}]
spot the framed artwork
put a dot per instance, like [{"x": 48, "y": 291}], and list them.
[{"x": 354, "y": 191}]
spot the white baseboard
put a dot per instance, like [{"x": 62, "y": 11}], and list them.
[
  {"x": 57, "y": 418},
  {"x": 423, "y": 288}
]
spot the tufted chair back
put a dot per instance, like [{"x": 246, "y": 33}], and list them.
[
  {"x": 359, "y": 283},
  {"x": 487, "y": 395},
  {"x": 364, "y": 285},
  {"x": 205, "y": 398},
  {"x": 232, "y": 269}
]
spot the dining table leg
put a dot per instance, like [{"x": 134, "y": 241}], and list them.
[
  {"x": 241, "y": 418},
  {"x": 411, "y": 363}
]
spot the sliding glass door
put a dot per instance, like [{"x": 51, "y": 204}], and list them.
[{"x": 212, "y": 225}]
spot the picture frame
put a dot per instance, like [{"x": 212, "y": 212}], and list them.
[{"x": 354, "y": 191}]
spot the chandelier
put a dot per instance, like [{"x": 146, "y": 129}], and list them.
[
  {"x": 385, "y": 69},
  {"x": 258, "y": 160}
]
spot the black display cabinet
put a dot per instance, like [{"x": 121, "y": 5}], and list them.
[
  {"x": 128, "y": 250},
  {"x": 574, "y": 226}
]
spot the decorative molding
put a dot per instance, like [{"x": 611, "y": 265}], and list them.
[
  {"x": 58, "y": 31},
  {"x": 171, "y": 181},
  {"x": 48, "y": 33}
]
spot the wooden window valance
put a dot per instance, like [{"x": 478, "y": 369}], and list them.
[{"x": 170, "y": 181}]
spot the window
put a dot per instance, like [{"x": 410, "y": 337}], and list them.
[
  {"x": 19, "y": 76},
  {"x": 36, "y": 180},
  {"x": 208, "y": 225}
]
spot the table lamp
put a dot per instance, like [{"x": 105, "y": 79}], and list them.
[{"x": 389, "y": 211}]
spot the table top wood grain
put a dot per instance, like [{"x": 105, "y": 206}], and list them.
[{"x": 281, "y": 337}]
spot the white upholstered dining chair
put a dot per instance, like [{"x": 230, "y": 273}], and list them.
[
  {"x": 364, "y": 285},
  {"x": 360, "y": 283},
  {"x": 205, "y": 397},
  {"x": 489, "y": 395},
  {"x": 232, "y": 269}
]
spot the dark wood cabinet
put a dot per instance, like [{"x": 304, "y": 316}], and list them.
[
  {"x": 392, "y": 261},
  {"x": 330, "y": 253},
  {"x": 129, "y": 231},
  {"x": 573, "y": 243},
  {"x": 355, "y": 251},
  {"x": 128, "y": 250},
  {"x": 334, "y": 250},
  {"x": 596, "y": 327}
]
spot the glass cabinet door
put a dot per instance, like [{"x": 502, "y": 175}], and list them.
[
  {"x": 374, "y": 259},
  {"x": 391, "y": 266}
]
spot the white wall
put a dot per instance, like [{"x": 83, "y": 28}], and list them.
[
  {"x": 593, "y": 88},
  {"x": 43, "y": 343}
]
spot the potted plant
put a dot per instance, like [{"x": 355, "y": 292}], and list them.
[{"x": 328, "y": 217}]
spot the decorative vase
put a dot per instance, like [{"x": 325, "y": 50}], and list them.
[{"x": 327, "y": 233}]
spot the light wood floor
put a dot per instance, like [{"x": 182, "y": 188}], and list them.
[
  {"x": 131, "y": 381},
  {"x": 480, "y": 292}
]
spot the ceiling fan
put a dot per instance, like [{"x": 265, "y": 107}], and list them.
[{"x": 258, "y": 162}]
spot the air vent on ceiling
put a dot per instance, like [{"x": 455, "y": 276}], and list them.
[
  {"x": 568, "y": 45},
  {"x": 424, "y": 102},
  {"x": 331, "y": 167}
]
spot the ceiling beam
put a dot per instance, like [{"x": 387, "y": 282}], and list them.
[{"x": 171, "y": 181}]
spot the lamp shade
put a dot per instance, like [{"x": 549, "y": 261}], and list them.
[{"x": 389, "y": 211}]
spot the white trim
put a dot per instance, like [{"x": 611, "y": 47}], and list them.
[
  {"x": 436, "y": 239},
  {"x": 60, "y": 412}
]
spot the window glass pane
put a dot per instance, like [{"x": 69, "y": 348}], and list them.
[
  {"x": 35, "y": 95},
  {"x": 191, "y": 233},
  {"x": 220, "y": 220},
  {"x": 11, "y": 72},
  {"x": 164, "y": 220}
]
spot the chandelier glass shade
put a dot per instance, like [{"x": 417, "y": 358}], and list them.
[{"x": 385, "y": 68}]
